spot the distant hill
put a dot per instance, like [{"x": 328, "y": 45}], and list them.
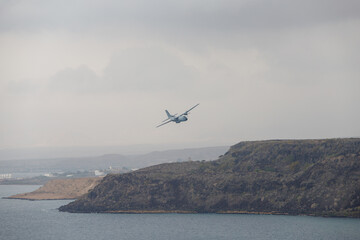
[
  {"x": 114, "y": 160},
  {"x": 314, "y": 177}
]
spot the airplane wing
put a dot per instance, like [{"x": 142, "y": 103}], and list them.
[
  {"x": 169, "y": 117},
  {"x": 164, "y": 123},
  {"x": 186, "y": 113}
]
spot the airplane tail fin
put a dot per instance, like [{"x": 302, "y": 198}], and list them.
[{"x": 168, "y": 114}]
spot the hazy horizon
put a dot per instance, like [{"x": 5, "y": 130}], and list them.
[
  {"x": 101, "y": 73},
  {"x": 95, "y": 151},
  {"x": 90, "y": 151}
]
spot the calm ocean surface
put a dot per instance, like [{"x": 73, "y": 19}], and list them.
[{"x": 21, "y": 219}]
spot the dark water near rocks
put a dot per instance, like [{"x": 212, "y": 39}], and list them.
[{"x": 21, "y": 219}]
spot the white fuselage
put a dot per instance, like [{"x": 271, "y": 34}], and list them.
[{"x": 179, "y": 119}]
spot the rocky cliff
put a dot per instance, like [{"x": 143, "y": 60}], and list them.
[{"x": 314, "y": 177}]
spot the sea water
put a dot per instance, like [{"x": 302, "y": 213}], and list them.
[{"x": 22, "y": 219}]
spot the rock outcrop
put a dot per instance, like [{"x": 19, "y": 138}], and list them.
[{"x": 313, "y": 177}]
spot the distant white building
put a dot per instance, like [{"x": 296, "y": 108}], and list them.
[
  {"x": 99, "y": 173},
  {"x": 5, "y": 176}
]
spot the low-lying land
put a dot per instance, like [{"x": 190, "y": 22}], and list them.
[
  {"x": 314, "y": 177},
  {"x": 61, "y": 189},
  {"x": 42, "y": 180}
]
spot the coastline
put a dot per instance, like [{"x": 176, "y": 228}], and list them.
[
  {"x": 191, "y": 212},
  {"x": 39, "y": 199},
  {"x": 218, "y": 212},
  {"x": 60, "y": 189}
]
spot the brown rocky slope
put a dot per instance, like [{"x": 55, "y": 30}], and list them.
[
  {"x": 61, "y": 189},
  {"x": 314, "y": 177}
]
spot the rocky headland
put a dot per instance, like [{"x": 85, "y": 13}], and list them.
[{"x": 312, "y": 177}]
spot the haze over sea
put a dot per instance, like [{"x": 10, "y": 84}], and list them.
[{"x": 20, "y": 219}]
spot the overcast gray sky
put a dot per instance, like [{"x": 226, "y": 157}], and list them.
[{"x": 100, "y": 73}]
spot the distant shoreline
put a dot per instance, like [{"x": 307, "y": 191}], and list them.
[{"x": 42, "y": 199}]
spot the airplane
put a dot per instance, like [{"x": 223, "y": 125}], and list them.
[{"x": 177, "y": 119}]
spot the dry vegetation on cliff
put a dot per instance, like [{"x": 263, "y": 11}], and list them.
[{"x": 61, "y": 189}]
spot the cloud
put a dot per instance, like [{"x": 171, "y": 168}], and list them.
[
  {"x": 102, "y": 72},
  {"x": 153, "y": 70},
  {"x": 175, "y": 16},
  {"x": 79, "y": 80},
  {"x": 148, "y": 69}
]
